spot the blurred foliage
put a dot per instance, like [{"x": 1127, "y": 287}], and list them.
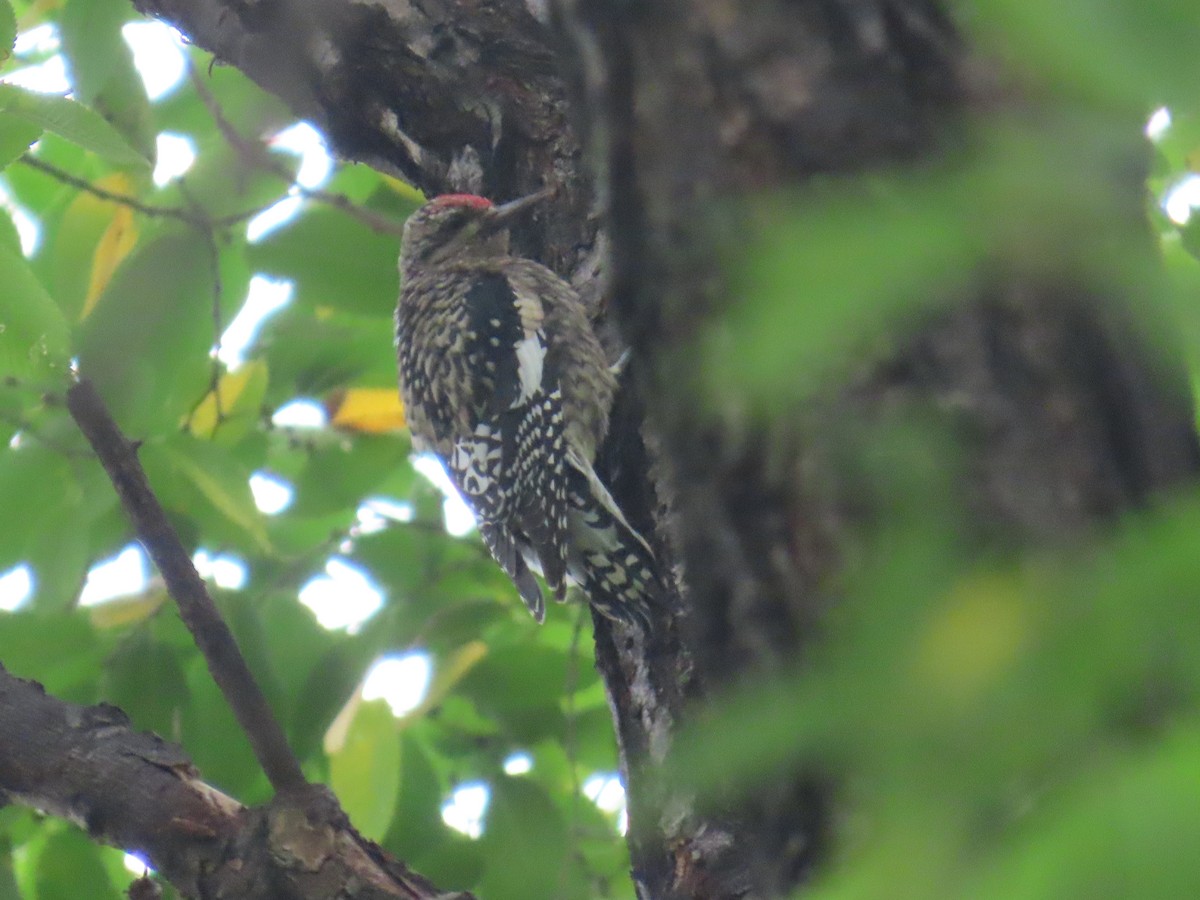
[
  {"x": 1016, "y": 728},
  {"x": 998, "y": 724}
]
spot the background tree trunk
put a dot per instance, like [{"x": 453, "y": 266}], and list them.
[{"x": 653, "y": 121}]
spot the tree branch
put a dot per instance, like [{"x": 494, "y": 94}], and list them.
[
  {"x": 194, "y": 217},
  {"x": 305, "y": 828},
  {"x": 128, "y": 789},
  {"x": 185, "y": 585},
  {"x": 135, "y": 791}
]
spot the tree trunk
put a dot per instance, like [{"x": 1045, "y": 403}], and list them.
[{"x": 662, "y": 119}]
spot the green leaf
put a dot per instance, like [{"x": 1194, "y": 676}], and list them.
[
  {"x": 59, "y": 551},
  {"x": 312, "y": 251},
  {"x": 417, "y": 827},
  {"x": 71, "y": 866},
  {"x": 8, "y": 881},
  {"x": 359, "y": 183},
  {"x": 365, "y": 771},
  {"x": 16, "y": 136},
  {"x": 522, "y": 826},
  {"x": 202, "y": 480},
  {"x": 1133, "y": 53},
  {"x": 519, "y": 677},
  {"x": 1126, "y": 830},
  {"x": 328, "y": 685},
  {"x": 61, "y": 652},
  {"x": 102, "y": 70},
  {"x": 214, "y": 739},
  {"x": 71, "y": 120},
  {"x": 405, "y": 555},
  {"x": 282, "y": 643},
  {"x": 10, "y": 238},
  {"x": 341, "y": 474},
  {"x": 454, "y": 864},
  {"x": 36, "y": 190},
  {"x": 225, "y": 182},
  {"x": 310, "y": 355},
  {"x": 91, "y": 39},
  {"x": 246, "y": 106},
  {"x": 8, "y": 30},
  {"x": 594, "y": 746},
  {"x": 75, "y": 236},
  {"x": 142, "y": 661},
  {"x": 33, "y": 334},
  {"x": 146, "y": 343},
  {"x": 24, "y": 474}
]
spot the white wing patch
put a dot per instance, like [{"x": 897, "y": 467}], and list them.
[{"x": 531, "y": 355}]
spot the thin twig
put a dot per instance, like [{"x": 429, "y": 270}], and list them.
[
  {"x": 380, "y": 224},
  {"x": 214, "y": 255},
  {"x": 214, "y": 260},
  {"x": 163, "y": 212},
  {"x": 252, "y": 154},
  {"x": 191, "y": 217},
  {"x": 199, "y": 613}
]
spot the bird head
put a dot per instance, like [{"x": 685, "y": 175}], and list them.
[{"x": 461, "y": 224}]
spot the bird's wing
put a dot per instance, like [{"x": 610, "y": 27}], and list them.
[
  {"x": 506, "y": 345},
  {"x": 510, "y": 466}
]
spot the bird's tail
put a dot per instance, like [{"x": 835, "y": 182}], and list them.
[
  {"x": 608, "y": 558},
  {"x": 506, "y": 552}
]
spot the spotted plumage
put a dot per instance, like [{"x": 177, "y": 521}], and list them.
[{"x": 503, "y": 378}]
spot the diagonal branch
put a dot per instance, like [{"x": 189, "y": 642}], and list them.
[
  {"x": 209, "y": 630},
  {"x": 128, "y": 789},
  {"x": 302, "y": 838},
  {"x": 135, "y": 791}
]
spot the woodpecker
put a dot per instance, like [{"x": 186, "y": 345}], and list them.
[{"x": 503, "y": 378}]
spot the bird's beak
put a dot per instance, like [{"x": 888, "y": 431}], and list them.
[{"x": 501, "y": 216}]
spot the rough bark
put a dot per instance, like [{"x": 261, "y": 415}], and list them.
[
  {"x": 135, "y": 791},
  {"x": 683, "y": 105},
  {"x": 449, "y": 96}
]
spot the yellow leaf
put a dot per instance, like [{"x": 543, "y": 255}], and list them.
[
  {"x": 447, "y": 673},
  {"x": 233, "y": 392},
  {"x": 118, "y": 239},
  {"x": 403, "y": 189},
  {"x": 445, "y": 676},
  {"x": 339, "y": 728},
  {"x": 128, "y": 610},
  {"x": 92, "y": 238},
  {"x": 973, "y": 638},
  {"x": 367, "y": 410},
  {"x": 36, "y": 13},
  {"x": 364, "y": 770}
]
